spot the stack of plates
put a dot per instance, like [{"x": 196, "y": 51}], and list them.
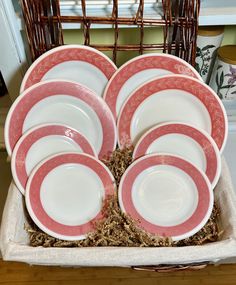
[{"x": 64, "y": 122}]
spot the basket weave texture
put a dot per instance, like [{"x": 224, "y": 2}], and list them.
[{"x": 179, "y": 20}]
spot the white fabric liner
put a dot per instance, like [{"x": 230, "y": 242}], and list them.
[{"x": 14, "y": 240}]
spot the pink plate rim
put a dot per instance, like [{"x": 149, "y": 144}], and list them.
[
  {"x": 24, "y": 103},
  {"x": 23, "y": 145},
  {"x": 205, "y": 193},
  {"x": 61, "y": 54},
  {"x": 143, "y": 62},
  {"x": 33, "y": 201},
  {"x": 197, "y": 88},
  {"x": 201, "y": 137}
]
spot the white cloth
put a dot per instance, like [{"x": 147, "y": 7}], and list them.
[{"x": 14, "y": 239}]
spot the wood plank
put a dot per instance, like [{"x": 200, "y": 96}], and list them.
[
  {"x": 20, "y": 273},
  {"x": 154, "y": 281}
]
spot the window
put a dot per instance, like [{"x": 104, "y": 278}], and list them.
[{"x": 127, "y": 8}]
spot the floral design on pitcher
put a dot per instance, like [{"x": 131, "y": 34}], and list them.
[
  {"x": 232, "y": 75},
  {"x": 231, "y": 83},
  {"x": 205, "y": 56}
]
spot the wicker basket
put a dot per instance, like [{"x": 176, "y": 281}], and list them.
[
  {"x": 43, "y": 25},
  {"x": 179, "y": 20},
  {"x": 14, "y": 241}
]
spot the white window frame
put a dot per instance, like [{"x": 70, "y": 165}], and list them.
[
  {"x": 103, "y": 8},
  {"x": 13, "y": 60},
  {"x": 213, "y": 12}
]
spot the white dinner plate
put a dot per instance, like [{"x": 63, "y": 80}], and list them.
[
  {"x": 78, "y": 63},
  {"x": 65, "y": 193},
  {"x": 172, "y": 98},
  {"x": 166, "y": 195},
  {"x": 63, "y": 102},
  {"x": 186, "y": 141},
  {"x": 139, "y": 70},
  {"x": 41, "y": 142}
]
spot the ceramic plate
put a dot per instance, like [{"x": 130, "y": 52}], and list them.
[
  {"x": 186, "y": 141},
  {"x": 41, "y": 142},
  {"x": 139, "y": 70},
  {"x": 172, "y": 98},
  {"x": 65, "y": 193},
  {"x": 66, "y": 103},
  {"x": 78, "y": 63},
  {"x": 168, "y": 195}
]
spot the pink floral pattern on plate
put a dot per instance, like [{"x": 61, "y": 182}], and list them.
[
  {"x": 63, "y": 54},
  {"x": 157, "y": 61},
  {"x": 41, "y": 217},
  {"x": 25, "y": 143},
  {"x": 175, "y": 128},
  {"x": 204, "y": 194},
  {"x": 194, "y": 87},
  {"x": 52, "y": 88}
]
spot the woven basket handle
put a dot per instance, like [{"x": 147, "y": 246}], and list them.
[{"x": 165, "y": 268}]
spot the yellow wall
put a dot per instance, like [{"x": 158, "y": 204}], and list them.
[
  {"x": 131, "y": 36},
  {"x": 229, "y": 35},
  {"x": 126, "y": 36}
]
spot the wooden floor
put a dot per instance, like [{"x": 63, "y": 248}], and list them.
[{"x": 19, "y": 274}]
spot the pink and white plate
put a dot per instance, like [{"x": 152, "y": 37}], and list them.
[
  {"x": 78, "y": 63},
  {"x": 168, "y": 195},
  {"x": 67, "y": 103},
  {"x": 41, "y": 142},
  {"x": 172, "y": 98},
  {"x": 139, "y": 70},
  {"x": 186, "y": 141},
  {"x": 65, "y": 193}
]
